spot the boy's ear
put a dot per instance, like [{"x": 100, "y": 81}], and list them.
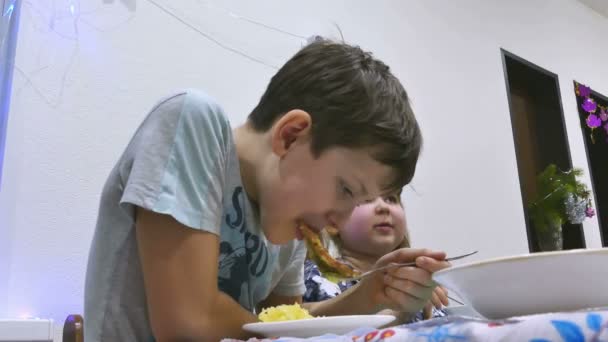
[{"x": 294, "y": 125}]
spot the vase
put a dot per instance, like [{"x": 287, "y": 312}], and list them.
[{"x": 550, "y": 238}]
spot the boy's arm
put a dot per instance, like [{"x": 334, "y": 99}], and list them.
[
  {"x": 180, "y": 276},
  {"x": 348, "y": 302},
  {"x": 344, "y": 304},
  {"x": 274, "y": 300},
  {"x": 336, "y": 306},
  {"x": 339, "y": 305}
]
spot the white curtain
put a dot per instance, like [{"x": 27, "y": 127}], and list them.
[{"x": 9, "y": 22}]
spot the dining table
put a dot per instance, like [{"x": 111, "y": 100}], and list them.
[{"x": 582, "y": 325}]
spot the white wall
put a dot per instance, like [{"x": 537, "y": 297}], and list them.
[{"x": 85, "y": 82}]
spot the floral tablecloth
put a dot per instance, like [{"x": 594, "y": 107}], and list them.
[{"x": 568, "y": 327}]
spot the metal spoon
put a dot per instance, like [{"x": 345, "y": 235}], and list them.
[{"x": 363, "y": 275}]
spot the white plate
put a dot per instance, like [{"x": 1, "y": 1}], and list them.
[
  {"x": 318, "y": 326},
  {"x": 531, "y": 284}
]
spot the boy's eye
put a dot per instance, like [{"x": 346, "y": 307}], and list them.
[
  {"x": 346, "y": 191},
  {"x": 367, "y": 201},
  {"x": 343, "y": 190},
  {"x": 391, "y": 199}
]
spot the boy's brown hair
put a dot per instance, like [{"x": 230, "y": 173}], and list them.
[{"x": 354, "y": 102}]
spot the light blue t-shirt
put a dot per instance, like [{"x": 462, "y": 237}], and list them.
[{"x": 182, "y": 162}]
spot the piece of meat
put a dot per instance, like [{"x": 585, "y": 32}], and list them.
[{"x": 320, "y": 253}]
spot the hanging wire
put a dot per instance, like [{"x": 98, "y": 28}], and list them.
[{"x": 212, "y": 39}]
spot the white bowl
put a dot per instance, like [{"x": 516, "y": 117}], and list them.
[
  {"x": 531, "y": 284},
  {"x": 461, "y": 310}
]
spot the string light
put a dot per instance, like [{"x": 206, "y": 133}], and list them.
[
  {"x": 9, "y": 10},
  {"x": 74, "y": 8}
]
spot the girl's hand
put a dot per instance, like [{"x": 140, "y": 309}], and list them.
[
  {"x": 439, "y": 298},
  {"x": 405, "y": 289}
]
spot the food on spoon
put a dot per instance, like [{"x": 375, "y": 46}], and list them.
[{"x": 284, "y": 313}]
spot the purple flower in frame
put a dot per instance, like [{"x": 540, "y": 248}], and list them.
[
  {"x": 589, "y": 105},
  {"x": 589, "y": 212},
  {"x": 593, "y": 121},
  {"x": 604, "y": 115},
  {"x": 583, "y": 90}
]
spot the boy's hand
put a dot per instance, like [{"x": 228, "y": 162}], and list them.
[{"x": 405, "y": 289}]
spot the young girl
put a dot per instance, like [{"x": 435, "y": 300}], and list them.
[{"x": 373, "y": 230}]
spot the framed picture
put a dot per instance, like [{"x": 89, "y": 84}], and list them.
[{"x": 593, "y": 116}]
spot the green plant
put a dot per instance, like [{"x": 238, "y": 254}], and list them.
[{"x": 561, "y": 198}]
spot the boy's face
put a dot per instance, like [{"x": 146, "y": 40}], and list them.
[
  {"x": 297, "y": 188},
  {"x": 317, "y": 192},
  {"x": 375, "y": 228}
]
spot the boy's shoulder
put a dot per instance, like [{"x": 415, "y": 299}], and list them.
[
  {"x": 187, "y": 106},
  {"x": 193, "y": 109},
  {"x": 199, "y": 97},
  {"x": 199, "y": 101}
]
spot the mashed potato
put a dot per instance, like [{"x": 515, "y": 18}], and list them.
[{"x": 284, "y": 313}]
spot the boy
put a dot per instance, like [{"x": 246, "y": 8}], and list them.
[{"x": 198, "y": 224}]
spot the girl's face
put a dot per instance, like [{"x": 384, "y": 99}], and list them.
[{"x": 375, "y": 228}]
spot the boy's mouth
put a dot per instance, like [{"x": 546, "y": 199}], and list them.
[{"x": 299, "y": 234}]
